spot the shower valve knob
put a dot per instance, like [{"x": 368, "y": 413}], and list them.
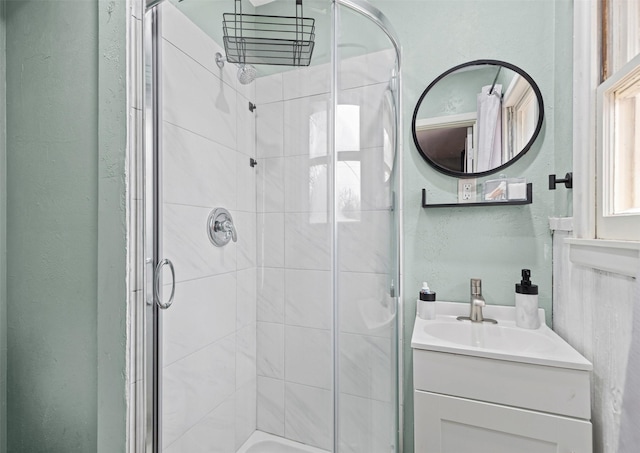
[{"x": 220, "y": 227}]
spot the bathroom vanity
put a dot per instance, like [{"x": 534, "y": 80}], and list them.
[{"x": 480, "y": 387}]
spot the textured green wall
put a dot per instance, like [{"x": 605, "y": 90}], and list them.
[
  {"x": 112, "y": 262},
  {"x": 449, "y": 246},
  {"x": 65, "y": 215},
  {"x": 563, "y": 104},
  {"x": 112, "y": 247},
  {"x": 52, "y": 225}
]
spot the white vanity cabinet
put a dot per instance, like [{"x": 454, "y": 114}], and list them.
[
  {"x": 472, "y": 398},
  {"x": 456, "y": 425}
]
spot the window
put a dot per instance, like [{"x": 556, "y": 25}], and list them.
[
  {"x": 618, "y": 126},
  {"x": 520, "y": 116}
]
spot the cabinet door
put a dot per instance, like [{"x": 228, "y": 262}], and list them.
[{"x": 446, "y": 424}]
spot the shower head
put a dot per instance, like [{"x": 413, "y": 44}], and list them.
[{"x": 246, "y": 72}]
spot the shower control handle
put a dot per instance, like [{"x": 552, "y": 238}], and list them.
[
  {"x": 227, "y": 228},
  {"x": 220, "y": 227}
]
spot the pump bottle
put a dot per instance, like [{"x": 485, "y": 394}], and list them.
[
  {"x": 426, "y": 303},
  {"x": 527, "y": 302}
]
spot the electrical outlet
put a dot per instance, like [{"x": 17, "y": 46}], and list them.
[{"x": 466, "y": 190}]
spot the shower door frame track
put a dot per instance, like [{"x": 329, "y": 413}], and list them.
[{"x": 152, "y": 145}]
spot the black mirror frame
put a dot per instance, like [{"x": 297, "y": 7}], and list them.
[{"x": 524, "y": 150}]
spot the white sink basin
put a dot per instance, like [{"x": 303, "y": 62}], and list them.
[{"x": 504, "y": 341}]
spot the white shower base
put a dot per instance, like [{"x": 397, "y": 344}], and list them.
[{"x": 261, "y": 442}]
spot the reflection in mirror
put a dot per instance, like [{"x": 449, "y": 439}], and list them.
[{"x": 477, "y": 118}]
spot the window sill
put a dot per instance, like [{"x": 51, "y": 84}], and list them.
[{"x": 618, "y": 257}]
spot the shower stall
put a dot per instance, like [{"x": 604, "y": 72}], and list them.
[{"x": 269, "y": 238}]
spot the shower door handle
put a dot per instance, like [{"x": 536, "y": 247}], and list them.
[{"x": 156, "y": 287}]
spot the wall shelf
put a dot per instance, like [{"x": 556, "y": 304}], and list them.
[{"x": 529, "y": 200}]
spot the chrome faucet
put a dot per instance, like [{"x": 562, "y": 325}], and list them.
[{"x": 477, "y": 302}]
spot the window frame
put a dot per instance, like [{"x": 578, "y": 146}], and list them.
[
  {"x": 584, "y": 248},
  {"x": 610, "y": 225}
]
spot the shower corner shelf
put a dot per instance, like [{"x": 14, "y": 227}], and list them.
[
  {"x": 528, "y": 200},
  {"x": 271, "y": 40}
]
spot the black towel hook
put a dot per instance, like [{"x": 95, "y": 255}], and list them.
[{"x": 568, "y": 181}]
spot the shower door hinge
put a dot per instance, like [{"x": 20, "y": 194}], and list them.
[{"x": 252, "y": 106}]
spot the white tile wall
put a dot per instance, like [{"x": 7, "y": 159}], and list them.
[
  {"x": 209, "y": 338},
  {"x": 364, "y": 364},
  {"x": 194, "y": 386},
  {"x": 270, "y": 241},
  {"x": 308, "y": 356},
  {"x": 296, "y": 183},
  {"x": 187, "y": 244},
  {"x": 246, "y": 126},
  {"x": 307, "y": 245},
  {"x": 307, "y": 81},
  {"x": 295, "y": 282},
  {"x": 360, "y": 423},
  {"x": 307, "y": 416},
  {"x": 246, "y": 356},
  {"x": 299, "y": 113},
  {"x": 271, "y": 405},
  {"x": 192, "y": 41},
  {"x": 270, "y": 295},
  {"x": 307, "y": 298},
  {"x": 270, "y": 340},
  {"x": 270, "y": 195},
  {"x": 370, "y": 100},
  {"x": 209, "y": 112},
  {"x": 204, "y": 312},
  {"x": 245, "y": 223},
  {"x": 246, "y": 184},
  {"x": 373, "y": 229},
  {"x": 269, "y": 130},
  {"x": 214, "y": 433},
  {"x": 269, "y": 89},
  {"x": 245, "y": 420},
  {"x": 376, "y": 191},
  {"x": 189, "y": 162},
  {"x": 246, "y": 298},
  {"x": 366, "y": 307}
]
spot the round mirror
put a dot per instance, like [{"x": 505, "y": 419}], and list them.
[{"x": 477, "y": 118}]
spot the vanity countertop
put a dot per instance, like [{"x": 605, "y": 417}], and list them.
[{"x": 502, "y": 341}]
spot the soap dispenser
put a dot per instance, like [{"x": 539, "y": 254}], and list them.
[
  {"x": 426, "y": 303},
  {"x": 527, "y": 302}
]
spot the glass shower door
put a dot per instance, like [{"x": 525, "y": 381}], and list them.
[
  {"x": 203, "y": 383},
  {"x": 291, "y": 330},
  {"x": 367, "y": 236}
]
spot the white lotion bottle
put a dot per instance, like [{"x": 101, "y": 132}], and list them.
[
  {"x": 426, "y": 303},
  {"x": 527, "y": 302}
]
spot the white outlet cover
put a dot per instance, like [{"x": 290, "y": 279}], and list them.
[{"x": 467, "y": 190}]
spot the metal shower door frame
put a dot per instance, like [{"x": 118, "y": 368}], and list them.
[{"x": 152, "y": 235}]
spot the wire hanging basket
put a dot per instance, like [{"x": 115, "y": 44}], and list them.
[{"x": 272, "y": 40}]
